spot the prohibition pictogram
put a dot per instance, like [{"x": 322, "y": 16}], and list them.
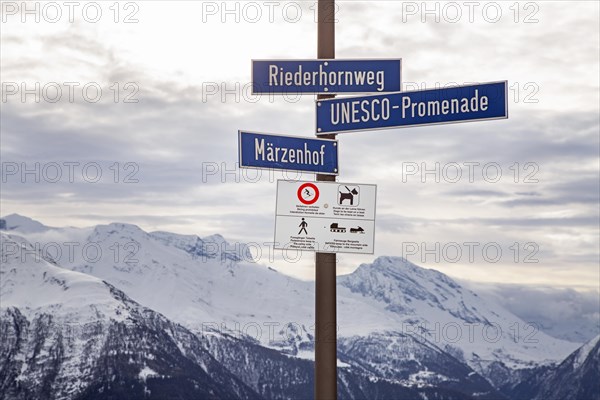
[{"x": 308, "y": 193}]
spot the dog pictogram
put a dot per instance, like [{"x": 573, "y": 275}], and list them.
[{"x": 350, "y": 194}]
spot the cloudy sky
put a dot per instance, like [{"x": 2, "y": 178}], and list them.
[{"x": 151, "y": 94}]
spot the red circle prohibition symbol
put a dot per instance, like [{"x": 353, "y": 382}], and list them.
[{"x": 314, "y": 188}]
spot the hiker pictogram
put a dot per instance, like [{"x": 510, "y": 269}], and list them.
[{"x": 303, "y": 226}]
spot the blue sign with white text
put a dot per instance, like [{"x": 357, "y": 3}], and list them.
[
  {"x": 477, "y": 102},
  {"x": 326, "y": 76},
  {"x": 258, "y": 150}
]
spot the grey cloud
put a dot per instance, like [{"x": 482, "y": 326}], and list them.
[
  {"x": 583, "y": 191},
  {"x": 503, "y": 142},
  {"x": 528, "y": 193},
  {"x": 396, "y": 223},
  {"x": 477, "y": 193},
  {"x": 563, "y": 313},
  {"x": 590, "y": 220},
  {"x": 394, "y": 220}
]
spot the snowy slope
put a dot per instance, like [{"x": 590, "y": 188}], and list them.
[
  {"x": 589, "y": 350},
  {"x": 576, "y": 378},
  {"x": 30, "y": 282},
  {"x": 195, "y": 285},
  {"x": 430, "y": 304},
  {"x": 67, "y": 335}
]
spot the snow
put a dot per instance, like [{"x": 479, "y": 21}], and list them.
[
  {"x": 310, "y": 355},
  {"x": 307, "y": 355},
  {"x": 584, "y": 352},
  {"x": 425, "y": 378},
  {"x": 71, "y": 304},
  {"x": 32, "y": 284},
  {"x": 450, "y": 314},
  {"x": 146, "y": 373}
]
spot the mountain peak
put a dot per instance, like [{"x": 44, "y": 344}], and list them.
[
  {"x": 394, "y": 262},
  {"x": 407, "y": 289},
  {"x": 213, "y": 246},
  {"x": 117, "y": 228},
  {"x": 216, "y": 238},
  {"x": 400, "y": 266},
  {"x": 22, "y": 224}
]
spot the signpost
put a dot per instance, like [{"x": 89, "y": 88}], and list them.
[
  {"x": 267, "y": 151},
  {"x": 485, "y": 101},
  {"x": 326, "y": 76},
  {"x": 328, "y": 217}
]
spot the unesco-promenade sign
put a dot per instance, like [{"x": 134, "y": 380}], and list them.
[{"x": 485, "y": 101}]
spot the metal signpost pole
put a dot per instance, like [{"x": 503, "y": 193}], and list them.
[{"x": 325, "y": 263}]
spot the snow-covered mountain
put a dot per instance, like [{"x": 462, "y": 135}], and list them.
[
  {"x": 22, "y": 224},
  {"x": 428, "y": 304},
  {"x": 199, "y": 283},
  {"x": 421, "y": 328},
  {"x": 68, "y": 335}
]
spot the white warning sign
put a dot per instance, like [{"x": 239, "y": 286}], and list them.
[{"x": 329, "y": 217}]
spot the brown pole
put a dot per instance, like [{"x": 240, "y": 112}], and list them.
[{"x": 325, "y": 263}]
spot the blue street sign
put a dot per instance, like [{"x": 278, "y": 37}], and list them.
[
  {"x": 266, "y": 151},
  {"x": 477, "y": 102},
  {"x": 325, "y": 76}
]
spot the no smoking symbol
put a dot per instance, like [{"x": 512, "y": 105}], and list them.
[{"x": 308, "y": 193}]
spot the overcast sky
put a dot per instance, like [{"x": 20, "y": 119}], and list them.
[{"x": 164, "y": 134}]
